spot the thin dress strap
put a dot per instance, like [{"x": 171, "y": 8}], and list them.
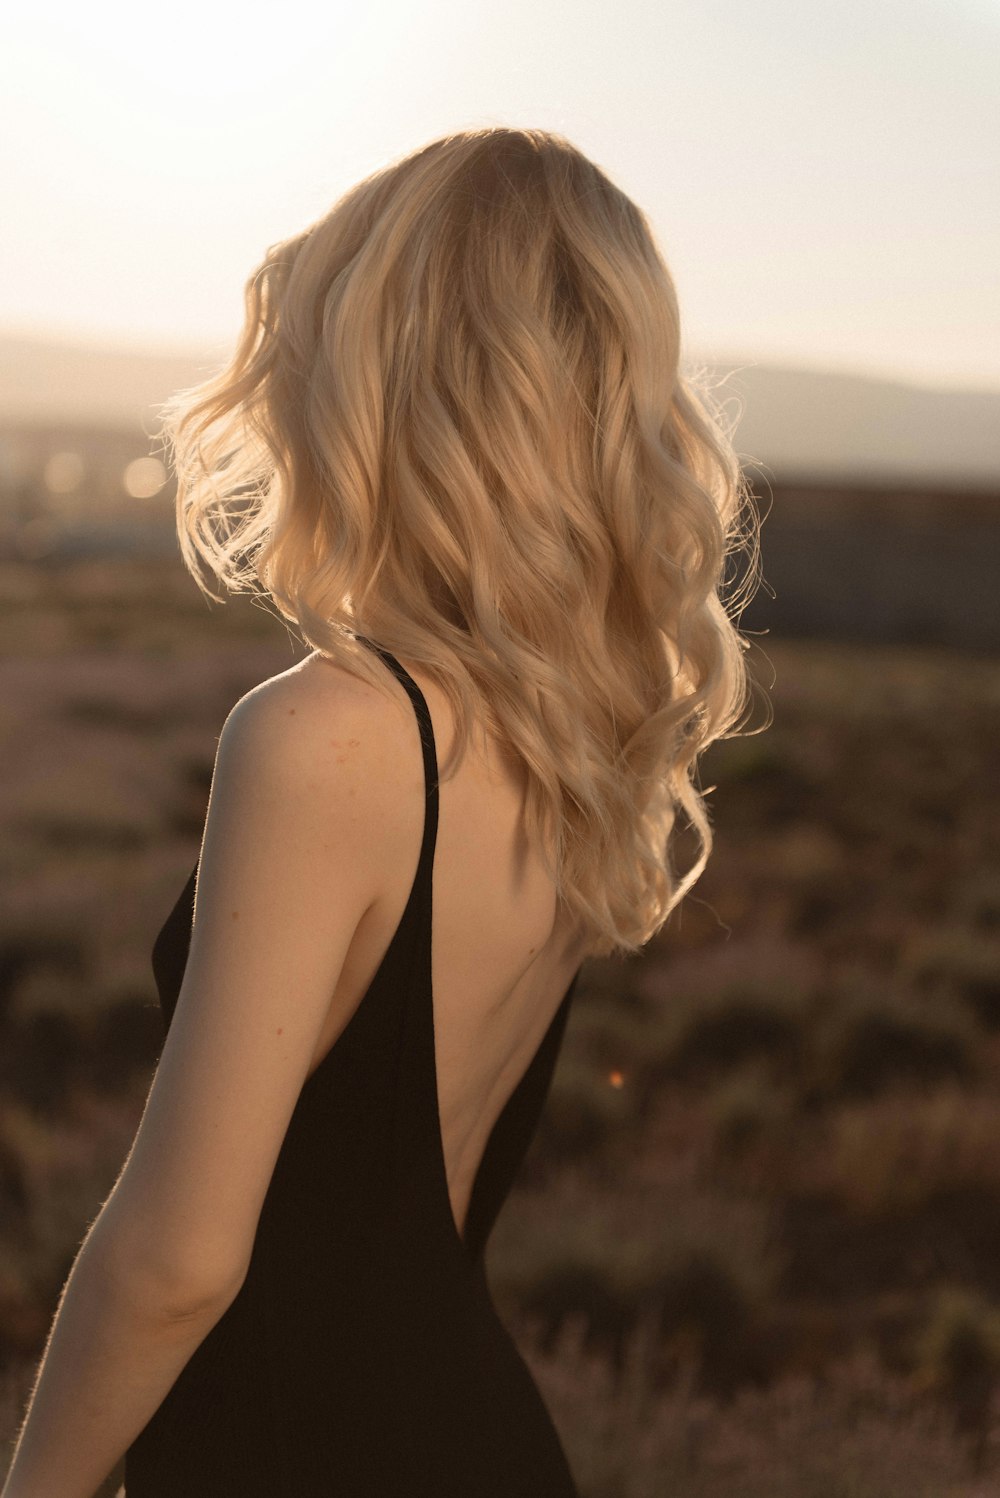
[{"x": 427, "y": 744}]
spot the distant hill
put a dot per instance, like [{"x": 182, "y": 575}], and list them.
[
  {"x": 46, "y": 380},
  {"x": 851, "y": 428},
  {"x": 801, "y": 423}
]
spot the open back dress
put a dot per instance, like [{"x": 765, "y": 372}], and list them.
[{"x": 363, "y": 1356}]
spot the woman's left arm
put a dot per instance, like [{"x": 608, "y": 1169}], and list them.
[
  {"x": 111, "y": 1357},
  {"x": 297, "y": 836}
]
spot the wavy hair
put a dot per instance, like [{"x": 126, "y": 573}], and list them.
[{"x": 455, "y": 421}]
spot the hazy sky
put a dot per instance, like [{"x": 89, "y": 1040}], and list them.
[{"x": 824, "y": 180}]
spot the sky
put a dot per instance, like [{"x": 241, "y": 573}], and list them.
[{"x": 823, "y": 180}]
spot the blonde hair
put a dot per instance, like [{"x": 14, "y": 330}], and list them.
[{"x": 455, "y": 421}]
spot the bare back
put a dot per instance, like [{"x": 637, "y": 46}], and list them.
[{"x": 501, "y": 956}]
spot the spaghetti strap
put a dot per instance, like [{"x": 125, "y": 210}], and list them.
[
  {"x": 417, "y": 696},
  {"x": 429, "y": 749}
]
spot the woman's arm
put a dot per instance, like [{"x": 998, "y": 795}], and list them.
[
  {"x": 299, "y": 821},
  {"x": 110, "y": 1359}
]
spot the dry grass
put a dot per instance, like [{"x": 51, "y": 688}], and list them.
[{"x": 753, "y": 1248}]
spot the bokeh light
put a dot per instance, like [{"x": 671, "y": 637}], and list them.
[
  {"x": 63, "y": 472},
  {"x": 144, "y": 477}
]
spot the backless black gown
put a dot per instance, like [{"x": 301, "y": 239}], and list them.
[{"x": 363, "y": 1356}]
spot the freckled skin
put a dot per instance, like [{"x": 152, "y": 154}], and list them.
[{"x": 351, "y": 744}]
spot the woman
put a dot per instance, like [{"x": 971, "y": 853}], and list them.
[{"x": 454, "y": 447}]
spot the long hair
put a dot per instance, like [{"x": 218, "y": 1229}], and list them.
[{"x": 455, "y": 420}]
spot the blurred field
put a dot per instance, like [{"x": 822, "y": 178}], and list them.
[{"x": 753, "y": 1251}]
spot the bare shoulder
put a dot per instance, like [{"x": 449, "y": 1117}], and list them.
[
  {"x": 297, "y": 840},
  {"x": 313, "y": 685},
  {"x": 310, "y": 755},
  {"x": 315, "y": 717}
]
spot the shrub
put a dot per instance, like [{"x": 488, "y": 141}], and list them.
[
  {"x": 873, "y": 1035},
  {"x": 587, "y": 1110},
  {"x": 745, "y": 1110},
  {"x": 962, "y": 962},
  {"x": 713, "y": 1032},
  {"x": 896, "y": 1153},
  {"x": 859, "y": 1432},
  {"x": 957, "y": 1353},
  {"x": 700, "y": 1279}
]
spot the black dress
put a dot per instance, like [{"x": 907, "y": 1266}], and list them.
[{"x": 363, "y": 1356}]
